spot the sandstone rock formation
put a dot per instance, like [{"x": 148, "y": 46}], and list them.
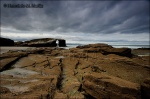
[
  {"x": 106, "y": 49},
  {"x": 107, "y": 87},
  {"x": 6, "y": 42},
  {"x": 57, "y": 73}
]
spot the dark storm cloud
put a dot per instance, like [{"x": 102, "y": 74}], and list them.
[{"x": 79, "y": 16}]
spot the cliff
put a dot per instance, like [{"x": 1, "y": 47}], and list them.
[{"x": 6, "y": 42}]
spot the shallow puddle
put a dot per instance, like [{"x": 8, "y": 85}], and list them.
[
  {"x": 27, "y": 81},
  {"x": 144, "y": 55},
  {"x": 19, "y": 72},
  {"x": 17, "y": 89},
  {"x": 6, "y": 49},
  {"x": 23, "y": 80},
  {"x": 60, "y": 57}
]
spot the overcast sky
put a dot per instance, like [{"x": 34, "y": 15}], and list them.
[{"x": 92, "y": 21}]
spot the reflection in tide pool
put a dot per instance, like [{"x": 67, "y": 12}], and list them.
[
  {"x": 19, "y": 72},
  {"x": 60, "y": 57},
  {"x": 17, "y": 89}
]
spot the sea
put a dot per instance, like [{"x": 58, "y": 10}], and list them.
[
  {"x": 71, "y": 45},
  {"x": 114, "y": 43}
]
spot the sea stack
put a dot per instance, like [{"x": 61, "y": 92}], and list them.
[{"x": 62, "y": 43}]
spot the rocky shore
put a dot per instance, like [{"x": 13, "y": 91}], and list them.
[{"x": 94, "y": 71}]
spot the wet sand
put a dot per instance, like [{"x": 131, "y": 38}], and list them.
[{"x": 6, "y": 49}]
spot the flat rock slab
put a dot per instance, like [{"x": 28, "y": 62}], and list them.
[
  {"x": 34, "y": 76},
  {"x": 105, "y": 86},
  {"x": 4, "y": 63}
]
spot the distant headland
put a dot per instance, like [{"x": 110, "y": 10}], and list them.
[{"x": 41, "y": 42}]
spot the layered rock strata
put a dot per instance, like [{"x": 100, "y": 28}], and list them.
[{"x": 76, "y": 73}]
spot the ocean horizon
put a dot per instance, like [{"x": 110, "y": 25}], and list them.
[
  {"x": 132, "y": 46},
  {"x": 117, "y": 44}
]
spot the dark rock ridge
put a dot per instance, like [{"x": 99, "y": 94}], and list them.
[
  {"x": 43, "y": 42},
  {"x": 6, "y": 42},
  {"x": 106, "y": 49},
  {"x": 108, "y": 87},
  {"x": 145, "y": 87}
]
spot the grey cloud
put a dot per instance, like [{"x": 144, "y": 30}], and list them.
[{"x": 79, "y": 16}]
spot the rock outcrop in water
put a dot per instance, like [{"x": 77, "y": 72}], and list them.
[
  {"x": 42, "y": 42},
  {"x": 106, "y": 49},
  {"x": 76, "y": 73},
  {"x": 6, "y": 42},
  {"x": 61, "y": 42}
]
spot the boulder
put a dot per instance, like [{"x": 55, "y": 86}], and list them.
[
  {"x": 145, "y": 89},
  {"x": 6, "y": 42},
  {"x": 108, "y": 87}
]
